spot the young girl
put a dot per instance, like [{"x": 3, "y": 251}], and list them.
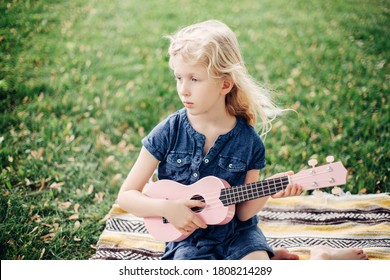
[{"x": 214, "y": 134}]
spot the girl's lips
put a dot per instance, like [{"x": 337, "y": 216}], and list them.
[{"x": 188, "y": 104}]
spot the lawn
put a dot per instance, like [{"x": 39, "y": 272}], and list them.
[{"x": 81, "y": 82}]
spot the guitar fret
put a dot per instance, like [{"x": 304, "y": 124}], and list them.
[
  {"x": 251, "y": 191},
  {"x": 276, "y": 183},
  {"x": 230, "y": 197},
  {"x": 235, "y": 194},
  {"x": 256, "y": 189},
  {"x": 239, "y": 194}
]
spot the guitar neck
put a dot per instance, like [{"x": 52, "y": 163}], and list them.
[{"x": 251, "y": 191}]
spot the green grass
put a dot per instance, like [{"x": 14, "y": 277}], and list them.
[{"x": 81, "y": 82}]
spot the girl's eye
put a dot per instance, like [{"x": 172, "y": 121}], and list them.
[
  {"x": 178, "y": 78},
  {"x": 194, "y": 79}
]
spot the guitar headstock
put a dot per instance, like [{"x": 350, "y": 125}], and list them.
[{"x": 327, "y": 175}]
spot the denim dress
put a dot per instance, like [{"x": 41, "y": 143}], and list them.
[{"x": 179, "y": 149}]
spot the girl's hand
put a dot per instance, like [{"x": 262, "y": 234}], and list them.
[
  {"x": 179, "y": 213},
  {"x": 290, "y": 190}
]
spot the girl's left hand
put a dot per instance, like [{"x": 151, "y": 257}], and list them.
[{"x": 290, "y": 190}]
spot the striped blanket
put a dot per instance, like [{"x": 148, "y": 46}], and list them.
[{"x": 295, "y": 223}]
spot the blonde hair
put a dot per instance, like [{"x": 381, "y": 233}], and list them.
[{"x": 213, "y": 44}]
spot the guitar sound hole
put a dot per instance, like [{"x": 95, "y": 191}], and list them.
[{"x": 197, "y": 197}]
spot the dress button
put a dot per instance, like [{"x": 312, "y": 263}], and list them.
[
  {"x": 195, "y": 175},
  {"x": 230, "y": 165},
  {"x": 179, "y": 160},
  {"x": 206, "y": 160}
]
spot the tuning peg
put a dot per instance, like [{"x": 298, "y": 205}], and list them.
[
  {"x": 330, "y": 159},
  {"x": 312, "y": 162}
]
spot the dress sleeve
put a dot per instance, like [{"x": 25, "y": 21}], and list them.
[
  {"x": 157, "y": 141},
  {"x": 258, "y": 154}
]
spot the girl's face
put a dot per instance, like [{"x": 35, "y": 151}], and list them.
[{"x": 199, "y": 93}]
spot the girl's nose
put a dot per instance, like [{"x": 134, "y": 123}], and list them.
[{"x": 183, "y": 89}]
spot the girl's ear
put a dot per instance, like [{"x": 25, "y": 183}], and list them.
[{"x": 227, "y": 85}]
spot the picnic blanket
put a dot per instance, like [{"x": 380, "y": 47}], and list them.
[{"x": 295, "y": 223}]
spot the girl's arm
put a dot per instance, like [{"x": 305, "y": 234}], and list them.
[
  {"x": 248, "y": 209},
  {"x": 131, "y": 198}
]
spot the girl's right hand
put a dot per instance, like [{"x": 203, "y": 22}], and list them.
[{"x": 179, "y": 213}]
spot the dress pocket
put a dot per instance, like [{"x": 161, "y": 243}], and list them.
[
  {"x": 233, "y": 169},
  {"x": 232, "y": 164},
  {"x": 178, "y": 159},
  {"x": 178, "y": 166}
]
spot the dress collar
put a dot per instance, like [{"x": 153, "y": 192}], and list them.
[{"x": 234, "y": 131}]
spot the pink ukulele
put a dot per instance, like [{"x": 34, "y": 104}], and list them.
[{"x": 221, "y": 199}]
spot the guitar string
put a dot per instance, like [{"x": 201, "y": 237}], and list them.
[
  {"x": 236, "y": 191},
  {"x": 267, "y": 182},
  {"x": 215, "y": 202},
  {"x": 217, "y": 198}
]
